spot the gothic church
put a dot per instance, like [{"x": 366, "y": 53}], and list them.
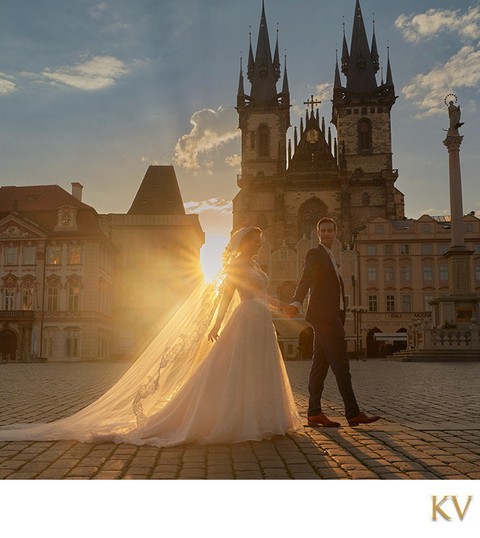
[{"x": 286, "y": 186}]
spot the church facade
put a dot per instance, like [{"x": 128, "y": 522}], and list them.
[{"x": 344, "y": 170}]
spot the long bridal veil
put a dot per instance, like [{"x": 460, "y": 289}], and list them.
[{"x": 152, "y": 380}]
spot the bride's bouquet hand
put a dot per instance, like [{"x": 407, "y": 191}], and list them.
[{"x": 213, "y": 334}]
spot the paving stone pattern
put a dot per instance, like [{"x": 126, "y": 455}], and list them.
[{"x": 430, "y": 429}]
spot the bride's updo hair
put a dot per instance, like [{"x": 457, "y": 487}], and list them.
[{"x": 243, "y": 235}]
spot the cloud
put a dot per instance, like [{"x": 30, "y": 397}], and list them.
[
  {"x": 435, "y": 21},
  {"x": 220, "y": 205},
  {"x": 95, "y": 74},
  {"x": 234, "y": 161},
  {"x": 211, "y": 129},
  {"x": 7, "y": 86},
  {"x": 98, "y": 10},
  {"x": 427, "y": 91}
]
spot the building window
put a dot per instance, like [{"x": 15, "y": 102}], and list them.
[
  {"x": 371, "y": 250},
  {"x": 443, "y": 248},
  {"x": 425, "y": 228},
  {"x": 372, "y": 303},
  {"x": 477, "y": 272},
  {"x": 27, "y": 303},
  {"x": 74, "y": 255},
  {"x": 72, "y": 343},
  {"x": 444, "y": 272},
  {"x": 390, "y": 303},
  {"x": 389, "y": 250},
  {"x": 477, "y": 248},
  {"x": 407, "y": 303},
  {"x": 9, "y": 299},
  {"x": 427, "y": 273},
  {"x": 427, "y": 249},
  {"x": 10, "y": 256},
  {"x": 405, "y": 249},
  {"x": 263, "y": 141},
  {"x": 389, "y": 273},
  {"x": 54, "y": 255},
  {"x": 379, "y": 228},
  {"x": 372, "y": 273},
  {"x": 73, "y": 298},
  {"x": 252, "y": 139},
  {"x": 406, "y": 273},
  {"x": 29, "y": 253},
  {"x": 426, "y": 303},
  {"x": 52, "y": 299},
  {"x": 365, "y": 135}
]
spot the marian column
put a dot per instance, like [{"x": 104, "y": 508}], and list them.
[{"x": 460, "y": 306}]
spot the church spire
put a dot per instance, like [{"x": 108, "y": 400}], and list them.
[
  {"x": 241, "y": 88},
  {"x": 276, "y": 60},
  {"x": 374, "y": 52},
  {"x": 337, "y": 84},
  {"x": 345, "y": 55},
  {"x": 389, "y": 81},
  {"x": 264, "y": 75},
  {"x": 361, "y": 68}
]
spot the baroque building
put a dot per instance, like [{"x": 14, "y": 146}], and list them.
[
  {"x": 345, "y": 171},
  {"x": 78, "y": 285}
]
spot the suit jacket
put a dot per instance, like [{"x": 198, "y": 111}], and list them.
[{"x": 319, "y": 276}]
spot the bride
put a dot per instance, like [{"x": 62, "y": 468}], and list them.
[{"x": 187, "y": 388}]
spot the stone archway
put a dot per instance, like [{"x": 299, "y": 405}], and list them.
[
  {"x": 398, "y": 345},
  {"x": 8, "y": 343},
  {"x": 375, "y": 349}
]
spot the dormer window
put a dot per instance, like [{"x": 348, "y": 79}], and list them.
[{"x": 66, "y": 219}]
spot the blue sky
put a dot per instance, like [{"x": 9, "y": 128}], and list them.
[{"x": 94, "y": 91}]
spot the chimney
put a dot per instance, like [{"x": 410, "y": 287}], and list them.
[{"x": 77, "y": 190}]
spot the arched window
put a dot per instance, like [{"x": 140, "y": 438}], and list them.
[
  {"x": 309, "y": 214},
  {"x": 263, "y": 141},
  {"x": 364, "y": 135}
]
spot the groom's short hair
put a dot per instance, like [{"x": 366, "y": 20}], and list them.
[{"x": 329, "y": 220}]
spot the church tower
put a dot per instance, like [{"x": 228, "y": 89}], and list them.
[
  {"x": 361, "y": 113},
  {"x": 264, "y": 117}
]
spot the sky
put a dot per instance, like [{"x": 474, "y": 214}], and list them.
[{"x": 95, "y": 91}]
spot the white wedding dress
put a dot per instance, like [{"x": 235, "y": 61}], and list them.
[{"x": 234, "y": 390}]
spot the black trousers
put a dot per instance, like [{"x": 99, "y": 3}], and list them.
[{"x": 330, "y": 350}]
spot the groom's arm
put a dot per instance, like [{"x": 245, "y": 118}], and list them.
[{"x": 308, "y": 274}]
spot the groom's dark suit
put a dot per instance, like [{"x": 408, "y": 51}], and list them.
[{"x": 325, "y": 314}]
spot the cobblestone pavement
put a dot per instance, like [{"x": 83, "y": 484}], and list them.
[{"x": 430, "y": 429}]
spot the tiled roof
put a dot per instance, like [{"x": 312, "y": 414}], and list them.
[{"x": 158, "y": 194}]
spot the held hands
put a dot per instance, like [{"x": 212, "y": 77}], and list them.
[
  {"x": 290, "y": 311},
  {"x": 213, "y": 334}
]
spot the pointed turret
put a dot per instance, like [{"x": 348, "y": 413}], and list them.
[
  {"x": 264, "y": 76},
  {"x": 251, "y": 61},
  {"x": 337, "y": 84},
  {"x": 374, "y": 51},
  {"x": 361, "y": 70},
  {"x": 345, "y": 54},
  {"x": 276, "y": 60},
  {"x": 389, "y": 81},
  {"x": 241, "y": 88}
]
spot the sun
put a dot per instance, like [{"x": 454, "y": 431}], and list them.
[{"x": 211, "y": 255}]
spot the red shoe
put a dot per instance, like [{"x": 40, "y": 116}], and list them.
[
  {"x": 362, "y": 418},
  {"x": 322, "y": 420}
]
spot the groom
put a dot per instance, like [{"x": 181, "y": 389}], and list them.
[{"x": 326, "y": 313}]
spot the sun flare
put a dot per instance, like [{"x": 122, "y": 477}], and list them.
[{"x": 211, "y": 255}]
